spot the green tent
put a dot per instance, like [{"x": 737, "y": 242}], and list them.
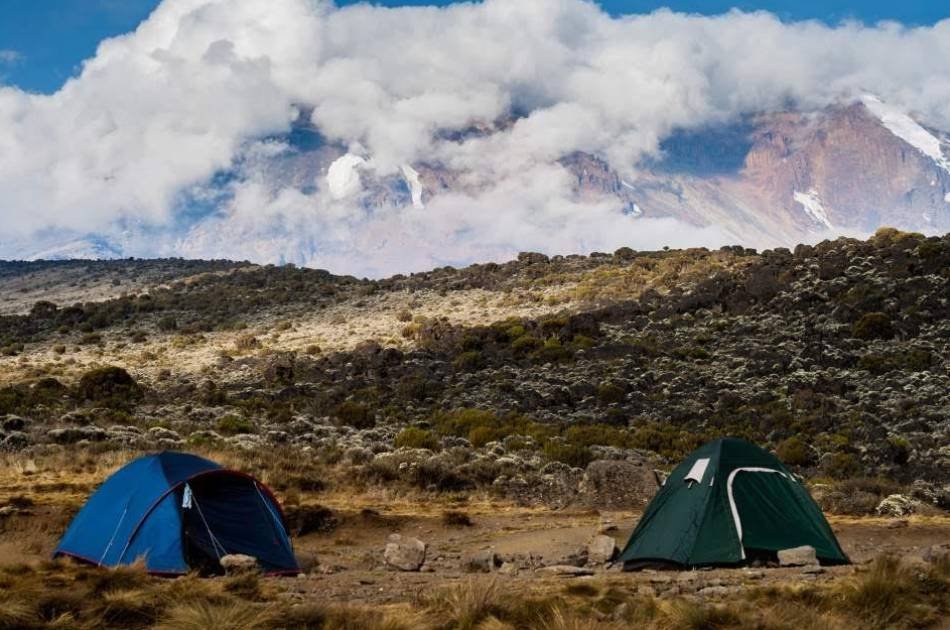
[{"x": 729, "y": 502}]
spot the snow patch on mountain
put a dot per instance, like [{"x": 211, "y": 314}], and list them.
[
  {"x": 907, "y": 129},
  {"x": 811, "y": 202},
  {"x": 343, "y": 176},
  {"x": 411, "y": 176}
]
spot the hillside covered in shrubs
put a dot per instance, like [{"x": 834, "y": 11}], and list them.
[{"x": 513, "y": 377}]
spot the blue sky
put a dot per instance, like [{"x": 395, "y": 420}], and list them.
[{"x": 42, "y": 42}]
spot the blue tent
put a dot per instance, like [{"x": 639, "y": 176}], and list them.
[{"x": 179, "y": 512}]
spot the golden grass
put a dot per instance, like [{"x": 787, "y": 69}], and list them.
[{"x": 886, "y": 594}]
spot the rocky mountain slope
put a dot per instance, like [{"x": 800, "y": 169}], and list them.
[{"x": 513, "y": 376}]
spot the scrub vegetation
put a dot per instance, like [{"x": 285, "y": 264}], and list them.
[{"x": 492, "y": 400}]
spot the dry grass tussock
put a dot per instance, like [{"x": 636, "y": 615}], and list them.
[{"x": 885, "y": 594}]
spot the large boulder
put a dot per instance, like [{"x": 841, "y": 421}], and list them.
[
  {"x": 798, "y": 557},
  {"x": 618, "y": 484},
  {"x": 601, "y": 550},
  {"x": 405, "y": 553}
]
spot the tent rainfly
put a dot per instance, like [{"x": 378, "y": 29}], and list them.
[
  {"x": 179, "y": 512},
  {"x": 727, "y": 503}
]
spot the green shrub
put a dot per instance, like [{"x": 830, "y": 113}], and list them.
[
  {"x": 167, "y": 323},
  {"x": 581, "y": 342},
  {"x": 794, "y": 452},
  {"x": 482, "y": 435},
  {"x": 608, "y": 393},
  {"x": 469, "y": 361},
  {"x": 873, "y": 326},
  {"x": 913, "y": 360},
  {"x": 669, "y": 441},
  {"x": 234, "y": 425},
  {"x": 12, "y": 350},
  {"x": 573, "y": 455},
  {"x": 354, "y": 414},
  {"x": 108, "y": 383},
  {"x": 551, "y": 352},
  {"x": 599, "y": 435},
  {"x": 525, "y": 344},
  {"x": 90, "y": 339},
  {"x": 842, "y": 466},
  {"x": 414, "y": 437},
  {"x": 465, "y": 422},
  {"x": 515, "y": 332}
]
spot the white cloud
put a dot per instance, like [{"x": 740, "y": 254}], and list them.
[
  {"x": 8, "y": 56},
  {"x": 160, "y": 110}
]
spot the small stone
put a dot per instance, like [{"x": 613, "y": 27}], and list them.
[
  {"x": 716, "y": 591},
  {"x": 797, "y": 556},
  {"x": 479, "y": 562},
  {"x": 237, "y": 563},
  {"x": 606, "y": 525}
]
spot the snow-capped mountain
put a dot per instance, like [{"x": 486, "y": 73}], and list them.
[{"x": 765, "y": 180}]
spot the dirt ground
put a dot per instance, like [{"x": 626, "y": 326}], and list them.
[
  {"x": 350, "y": 552},
  {"x": 345, "y": 564}
]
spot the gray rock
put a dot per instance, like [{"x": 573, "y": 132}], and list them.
[
  {"x": 238, "y": 563},
  {"x": 482, "y": 561},
  {"x": 405, "y": 554},
  {"x": 797, "y": 556},
  {"x": 601, "y": 550},
  {"x": 161, "y": 433},
  {"x": 617, "y": 484}
]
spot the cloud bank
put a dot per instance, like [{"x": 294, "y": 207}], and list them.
[{"x": 139, "y": 140}]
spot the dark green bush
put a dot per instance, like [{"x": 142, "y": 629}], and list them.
[
  {"x": 167, "y": 323},
  {"x": 551, "y": 352},
  {"x": 599, "y": 435},
  {"x": 108, "y": 383},
  {"x": 573, "y": 455},
  {"x": 913, "y": 360},
  {"x": 354, "y": 414},
  {"x": 608, "y": 393},
  {"x": 525, "y": 344},
  {"x": 469, "y": 361},
  {"x": 873, "y": 326},
  {"x": 794, "y": 452},
  {"x": 842, "y": 466},
  {"x": 234, "y": 425},
  {"x": 413, "y": 437}
]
